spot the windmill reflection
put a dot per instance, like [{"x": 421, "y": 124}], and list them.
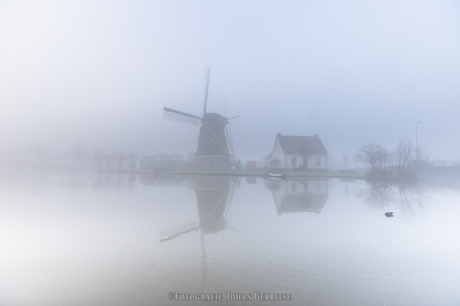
[
  {"x": 214, "y": 196},
  {"x": 346, "y": 181},
  {"x": 298, "y": 195}
]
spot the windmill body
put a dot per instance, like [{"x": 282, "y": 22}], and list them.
[{"x": 213, "y": 151}]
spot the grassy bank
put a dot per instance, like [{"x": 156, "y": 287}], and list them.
[{"x": 263, "y": 172}]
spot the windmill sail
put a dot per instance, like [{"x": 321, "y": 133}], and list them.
[
  {"x": 206, "y": 95},
  {"x": 176, "y": 231},
  {"x": 175, "y": 115}
]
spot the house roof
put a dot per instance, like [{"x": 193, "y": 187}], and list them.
[{"x": 297, "y": 144}]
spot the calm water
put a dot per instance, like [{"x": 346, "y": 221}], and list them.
[{"x": 111, "y": 240}]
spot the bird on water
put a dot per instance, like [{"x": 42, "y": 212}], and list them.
[{"x": 389, "y": 214}]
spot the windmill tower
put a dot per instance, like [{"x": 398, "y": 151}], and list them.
[{"x": 215, "y": 144}]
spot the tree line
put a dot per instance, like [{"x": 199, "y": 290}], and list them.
[
  {"x": 115, "y": 161},
  {"x": 403, "y": 162}
]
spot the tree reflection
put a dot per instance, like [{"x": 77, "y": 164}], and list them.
[
  {"x": 122, "y": 183},
  {"x": 346, "y": 192},
  {"x": 409, "y": 198}
]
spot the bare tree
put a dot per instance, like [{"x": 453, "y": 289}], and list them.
[
  {"x": 121, "y": 159},
  {"x": 239, "y": 164},
  {"x": 376, "y": 156},
  {"x": 422, "y": 154},
  {"x": 79, "y": 155},
  {"x": 108, "y": 158},
  {"x": 404, "y": 157},
  {"x": 369, "y": 154},
  {"x": 345, "y": 156},
  {"x": 405, "y": 162},
  {"x": 98, "y": 157},
  {"x": 408, "y": 159},
  {"x": 385, "y": 158},
  {"x": 132, "y": 160}
]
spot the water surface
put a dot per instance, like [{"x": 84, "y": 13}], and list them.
[{"x": 88, "y": 239}]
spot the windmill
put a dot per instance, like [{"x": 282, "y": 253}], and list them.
[{"x": 215, "y": 143}]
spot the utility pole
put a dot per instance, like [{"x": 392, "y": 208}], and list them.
[{"x": 328, "y": 155}]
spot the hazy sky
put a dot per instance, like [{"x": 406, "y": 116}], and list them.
[{"x": 99, "y": 72}]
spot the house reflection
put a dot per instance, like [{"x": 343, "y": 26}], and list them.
[{"x": 298, "y": 195}]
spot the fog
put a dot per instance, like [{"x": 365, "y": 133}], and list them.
[{"x": 98, "y": 73}]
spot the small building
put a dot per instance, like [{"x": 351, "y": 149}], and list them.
[
  {"x": 251, "y": 165},
  {"x": 297, "y": 152}
]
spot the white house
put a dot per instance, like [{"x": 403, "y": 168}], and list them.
[{"x": 297, "y": 152}]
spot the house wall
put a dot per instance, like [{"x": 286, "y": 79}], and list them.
[
  {"x": 311, "y": 161},
  {"x": 322, "y": 161},
  {"x": 276, "y": 153}
]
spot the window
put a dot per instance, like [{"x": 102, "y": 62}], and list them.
[
  {"x": 293, "y": 161},
  {"x": 318, "y": 161},
  {"x": 294, "y": 187}
]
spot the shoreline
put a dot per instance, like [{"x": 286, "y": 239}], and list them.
[{"x": 255, "y": 172}]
